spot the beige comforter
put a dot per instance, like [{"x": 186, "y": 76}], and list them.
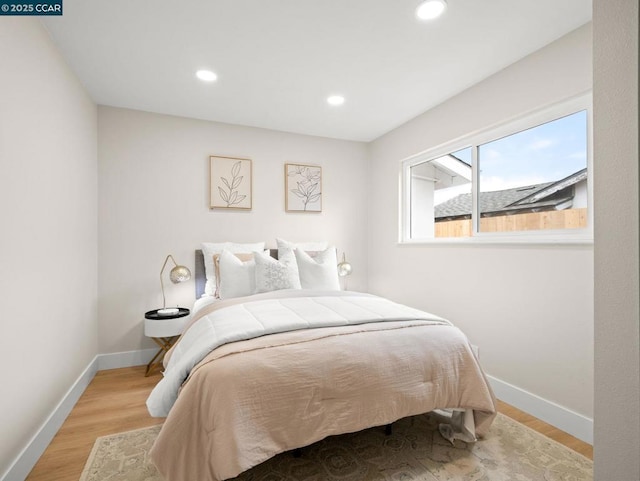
[{"x": 250, "y": 400}]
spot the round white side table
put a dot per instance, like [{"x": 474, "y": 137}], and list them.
[{"x": 164, "y": 330}]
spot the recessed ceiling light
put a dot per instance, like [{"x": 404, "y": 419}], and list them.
[
  {"x": 335, "y": 100},
  {"x": 206, "y": 75},
  {"x": 430, "y": 9}
]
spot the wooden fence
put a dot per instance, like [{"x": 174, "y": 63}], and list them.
[{"x": 553, "y": 219}]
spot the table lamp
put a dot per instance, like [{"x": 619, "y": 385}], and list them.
[
  {"x": 177, "y": 275},
  {"x": 344, "y": 269}
]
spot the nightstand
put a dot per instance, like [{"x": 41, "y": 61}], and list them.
[{"x": 164, "y": 330}]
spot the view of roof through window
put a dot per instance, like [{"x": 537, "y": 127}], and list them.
[{"x": 531, "y": 180}]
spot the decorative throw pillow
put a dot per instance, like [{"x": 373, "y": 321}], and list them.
[
  {"x": 319, "y": 272},
  {"x": 310, "y": 248},
  {"x": 209, "y": 249},
  {"x": 237, "y": 278},
  {"x": 273, "y": 275}
]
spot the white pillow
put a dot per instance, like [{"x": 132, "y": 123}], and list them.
[
  {"x": 216, "y": 262},
  {"x": 319, "y": 272},
  {"x": 273, "y": 275},
  {"x": 237, "y": 278},
  {"x": 283, "y": 245},
  {"x": 209, "y": 249}
]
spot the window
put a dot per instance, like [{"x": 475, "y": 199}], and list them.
[
  {"x": 438, "y": 188},
  {"x": 529, "y": 177}
]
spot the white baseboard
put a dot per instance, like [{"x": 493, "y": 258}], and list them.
[
  {"x": 27, "y": 459},
  {"x": 29, "y": 456},
  {"x": 562, "y": 418},
  {"x": 117, "y": 360}
]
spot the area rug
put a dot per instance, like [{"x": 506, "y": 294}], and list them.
[{"x": 414, "y": 451}]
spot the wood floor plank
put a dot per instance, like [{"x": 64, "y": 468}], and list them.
[
  {"x": 114, "y": 402},
  {"x": 548, "y": 430}
]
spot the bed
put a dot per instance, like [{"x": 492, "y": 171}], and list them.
[{"x": 255, "y": 376}]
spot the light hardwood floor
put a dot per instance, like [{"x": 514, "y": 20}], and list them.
[{"x": 115, "y": 402}]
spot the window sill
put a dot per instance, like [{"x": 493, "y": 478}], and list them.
[{"x": 560, "y": 241}]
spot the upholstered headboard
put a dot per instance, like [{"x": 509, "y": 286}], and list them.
[{"x": 201, "y": 276}]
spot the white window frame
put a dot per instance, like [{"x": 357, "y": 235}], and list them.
[{"x": 474, "y": 140}]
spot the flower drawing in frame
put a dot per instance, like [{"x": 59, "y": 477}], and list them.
[
  {"x": 231, "y": 183},
  {"x": 303, "y": 188}
]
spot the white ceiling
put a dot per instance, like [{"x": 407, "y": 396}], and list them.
[{"x": 278, "y": 60}]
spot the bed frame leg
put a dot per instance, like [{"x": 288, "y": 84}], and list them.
[
  {"x": 388, "y": 430},
  {"x": 297, "y": 453}
]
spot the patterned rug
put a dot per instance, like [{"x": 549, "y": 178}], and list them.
[{"x": 414, "y": 451}]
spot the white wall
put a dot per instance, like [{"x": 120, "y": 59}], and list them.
[
  {"x": 154, "y": 188},
  {"x": 580, "y": 195},
  {"x": 529, "y": 308},
  {"x": 48, "y": 245},
  {"x": 617, "y": 303}
]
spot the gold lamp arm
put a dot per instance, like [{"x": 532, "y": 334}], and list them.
[{"x": 161, "y": 271}]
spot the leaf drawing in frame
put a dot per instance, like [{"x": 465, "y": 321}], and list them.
[
  {"x": 303, "y": 188},
  {"x": 231, "y": 183}
]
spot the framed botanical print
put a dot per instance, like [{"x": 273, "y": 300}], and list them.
[
  {"x": 231, "y": 183},
  {"x": 303, "y": 188}
]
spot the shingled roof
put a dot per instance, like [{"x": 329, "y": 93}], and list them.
[{"x": 548, "y": 195}]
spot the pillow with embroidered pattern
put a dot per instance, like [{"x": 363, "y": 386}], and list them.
[{"x": 274, "y": 275}]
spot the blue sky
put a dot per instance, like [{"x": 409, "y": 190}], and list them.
[{"x": 544, "y": 153}]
